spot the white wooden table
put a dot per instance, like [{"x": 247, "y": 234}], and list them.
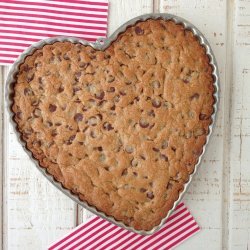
[{"x": 34, "y": 213}]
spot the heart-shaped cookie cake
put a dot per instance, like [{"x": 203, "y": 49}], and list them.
[{"x": 123, "y": 128}]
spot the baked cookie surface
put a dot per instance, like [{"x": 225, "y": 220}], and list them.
[{"x": 122, "y": 128}]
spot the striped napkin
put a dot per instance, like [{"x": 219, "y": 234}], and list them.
[
  {"x": 23, "y": 22},
  {"x": 100, "y": 234}
]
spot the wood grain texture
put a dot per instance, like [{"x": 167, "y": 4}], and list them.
[
  {"x": 36, "y": 214},
  {"x": 1, "y": 150},
  {"x": 205, "y": 196},
  {"x": 239, "y": 237}
]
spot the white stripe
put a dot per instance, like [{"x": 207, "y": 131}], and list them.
[
  {"x": 55, "y": 3},
  {"x": 50, "y": 32},
  {"x": 41, "y": 7},
  {"x": 10, "y": 52},
  {"x": 33, "y": 19},
  {"x": 7, "y": 58},
  {"x": 35, "y": 25},
  {"x": 16, "y": 41},
  {"x": 43, "y": 37},
  {"x": 185, "y": 233},
  {"x": 163, "y": 232},
  {"x": 85, "y": 235},
  {"x": 64, "y": 15},
  {"x": 12, "y": 46},
  {"x": 167, "y": 236}
]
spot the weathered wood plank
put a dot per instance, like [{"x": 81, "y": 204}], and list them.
[
  {"x": 36, "y": 213},
  {"x": 239, "y": 234},
  {"x": 205, "y": 196},
  {"x": 1, "y": 152}
]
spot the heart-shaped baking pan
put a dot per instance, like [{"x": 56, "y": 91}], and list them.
[{"x": 146, "y": 174}]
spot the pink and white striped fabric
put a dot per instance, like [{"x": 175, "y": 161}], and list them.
[
  {"x": 99, "y": 234},
  {"x": 23, "y": 22}
]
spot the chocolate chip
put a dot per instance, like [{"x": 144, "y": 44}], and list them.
[
  {"x": 66, "y": 57},
  {"x": 156, "y": 84},
  {"x": 34, "y": 103},
  {"x": 30, "y": 78},
  {"x": 139, "y": 31},
  {"x": 113, "y": 107},
  {"x": 156, "y": 103},
  {"x": 70, "y": 140},
  {"x": 164, "y": 144},
  {"x": 54, "y": 133},
  {"x": 203, "y": 117},
  {"x": 78, "y": 117},
  {"x": 143, "y": 123},
  {"x": 92, "y": 121},
  {"x": 150, "y": 195},
  {"x": 28, "y": 92},
  {"x": 124, "y": 172},
  {"x": 122, "y": 93},
  {"x": 76, "y": 89},
  {"x": 100, "y": 95},
  {"x": 78, "y": 75},
  {"x": 52, "y": 108},
  {"x": 99, "y": 116},
  {"x": 111, "y": 89},
  {"x": 143, "y": 190},
  {"x": 151, "y": 113},
  {"x": 155, "y": 149},
  {"x": 19, "y": 115},
  {"x": 199, "y": 132},
  {"x": 164, "y": 157},
  {"x": 92, "y": 134},
  {"x": 37, "y": 112},
  {"x": 194, "y": 96},
  {"x": 50, "y": 124},
  {"x": 40, "y": 80},
  {"x": 169, "y": 185},
  {"x": 107, "y": 126},
  {"x": 129, "y": 149},
  {"x": 110, "y": 78},
  {"x": 99, "y": 149}
]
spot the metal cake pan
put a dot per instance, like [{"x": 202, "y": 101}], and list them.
[{"x": 102, "y": 44}]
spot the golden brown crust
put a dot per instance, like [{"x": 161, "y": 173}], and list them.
[{"x": 121, "y": 128}]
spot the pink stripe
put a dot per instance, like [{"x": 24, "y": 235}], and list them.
[
  {"x": 84, "y": 233},
  {"x": 53, "y": 17},
  {"x": 8, "y": 55},
  {"x": 97, "y": 238},
  {"x": 63, "y": 12},
  {"x": 162, "y": 230},
  {"x": 75, "y": 232},
  {"x": 50, "y": 34},
  {"x": 13, "y": 50},
  {"x": 6, "y": 61},
  {"x": 175, "y": 230},
  {"x": 57, "y": 5},
  {"x": 26, "y": 22},
  {"x": 14, "y": 44},
  {"x": 180, "y": 239}
]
